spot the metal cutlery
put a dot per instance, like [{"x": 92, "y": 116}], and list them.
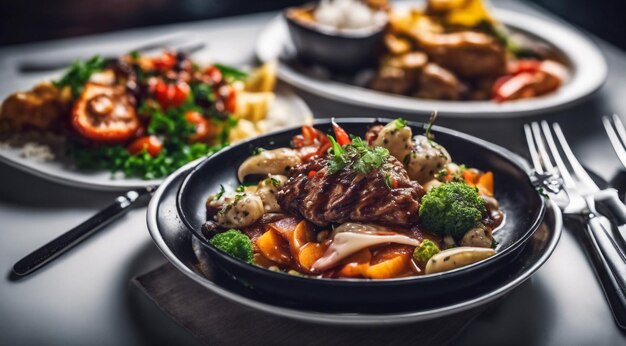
[
  {"x": 617, "y": 135},
  {"x": 579, "y": 199},
  {"x": 176, "y": 43},
  {"x": 69, "y": 239}
]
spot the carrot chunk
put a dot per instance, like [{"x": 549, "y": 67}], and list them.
[
  {"x": 485, "y": 184},
  {"x": 390, "y": 268},
  {"x": 274, "y": 247},
  {"x": 310, "y": 253}
]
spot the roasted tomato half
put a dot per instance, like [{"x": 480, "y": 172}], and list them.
[{"x": 105, "y": 114}]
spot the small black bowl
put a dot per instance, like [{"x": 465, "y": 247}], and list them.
[
  {"x": 523, "y": 206},
  {"x": 342, "y": 51}
]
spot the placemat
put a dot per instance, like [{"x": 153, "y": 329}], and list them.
[{"x": 217, "y": 321}]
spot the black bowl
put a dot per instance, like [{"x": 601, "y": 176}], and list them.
[
  {"x": 522, "y": 204},
  {"x": 340, "y": 51}
]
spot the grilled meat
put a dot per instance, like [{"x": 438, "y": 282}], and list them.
[{"x": 324, "y": 198}]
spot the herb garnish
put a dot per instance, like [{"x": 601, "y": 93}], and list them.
[
  {"x": 400, "y": 123},
  {"x": 358, "y": 156},
  {"x": 220, "y": 193},
  {"x": 275, "y": 181},
  {"x": 79, "y": 73},
  {"x": 429, "y": 126},
  {"x": 257, "y": 151}
]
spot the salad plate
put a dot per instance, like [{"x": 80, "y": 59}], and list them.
[
  {"x": 186, "y": 253},
  {"x": 288, "y": 108},
  {"x": 586, "y": 72}
]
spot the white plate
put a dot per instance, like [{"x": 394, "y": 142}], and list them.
[
  {"x": 587, "y": 74},
  {"x": 178, "y": 245},
  {"x": 288, "y": 108}
]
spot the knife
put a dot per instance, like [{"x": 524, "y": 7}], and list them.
[{"x": 73, "y": 237}]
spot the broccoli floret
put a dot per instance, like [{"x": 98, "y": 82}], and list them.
[
  {"x": 451, "y": 209},
  {"x": 234, "y": 243},
  {"x": 425, "y": 251}
]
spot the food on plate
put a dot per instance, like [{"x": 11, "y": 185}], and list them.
[
  {"x": 448, "y": 50},
  {"x": 342, "y": 15},
  {"x": 389, "y": 205},
  {"x": 144, "y": 115}
]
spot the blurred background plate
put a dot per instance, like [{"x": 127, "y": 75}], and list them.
[
  {"x": 587, "y": 68},
  {"x": 288, "y": 108}
]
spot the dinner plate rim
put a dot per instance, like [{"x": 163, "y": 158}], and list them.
[
  {"x": 77, "y": 179},
  {"x": 589, "y": 73},
  {"x": 345, "y": 319},
  {"x": 349, "y": 282}
]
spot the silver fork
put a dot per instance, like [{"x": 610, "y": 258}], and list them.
[
  {"x": 617, "y": 135},
  {"x": 581, "y": 193}
]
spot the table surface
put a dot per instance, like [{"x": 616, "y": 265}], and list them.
[{"x": 84, "y": 297}]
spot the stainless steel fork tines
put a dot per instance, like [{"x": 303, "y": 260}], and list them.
[
  {"x": 617, "y": 135},
  {"x": 559, "y": 160},
  {"x": 547, "y": 158}
]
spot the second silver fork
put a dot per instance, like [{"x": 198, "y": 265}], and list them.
[{"x": 581, "y": 196}]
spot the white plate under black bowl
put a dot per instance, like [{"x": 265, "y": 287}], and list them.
[
  {"x": 587, "y": 67},
  {"x": 184, "y": 251},
  {"x": 287, "y": 106}
]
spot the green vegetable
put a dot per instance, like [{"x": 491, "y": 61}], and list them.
[
  {"x": 231, "y": 73},
  {"x": 357, "y": 156},
  {"x": 220, "y": 193},
  {"x": 388, "y": 180},
  {"x": 501, "y": 34},
  {"x": 275, "y": 181},
  {"x": 202, "y": 92},
  {"x": 79, "y": 73},
  {"x": 257, "y": 151},
  {"x": 451, "y": 209},
  {"x": 429, "y": 126},
  {"x": 400, "y": 123},
  {"x": 171, "y": 126},
  {"x": 425, "y": 251},
  {"x": 234, "y": 243}
]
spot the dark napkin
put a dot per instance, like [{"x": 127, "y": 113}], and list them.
[{"x": 216, "y": 320}]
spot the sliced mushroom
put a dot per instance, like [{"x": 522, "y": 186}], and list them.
[
  {"x": 276, "y": 161},
  {"x": 479, "y": 236},
  {"x": 456, "y": 258},
  {"x": 242, "y": 210},
  {"x": 267, "y": 190},
  {"x": 397, "y": 141},
  {"x": 426, "y": 159},
  {"x": 429, "y": 185}
]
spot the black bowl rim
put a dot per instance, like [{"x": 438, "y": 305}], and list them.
[
  {"x": 502, "y": 152},
  {"x": 354, "y": 34}
]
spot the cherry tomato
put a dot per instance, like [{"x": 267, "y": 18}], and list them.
[
  {"x": 229, "y": 95},
  {"x": 311, "y": 174},
  {"x": 171, "y": 95},
  {"x": 341, "y": 134},
  {"x": 201, "y": 124},
  {"x": 215, "y": 74},
  {"x": 165, "y": 62},
  {"x": 151, "y": 144},
  {"x": 105, "y": 114}
]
